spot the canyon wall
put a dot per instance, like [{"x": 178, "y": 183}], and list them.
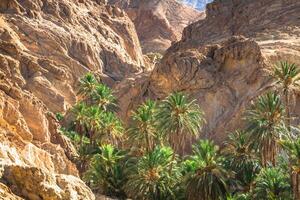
[
  {"x": 45, "y": 46},
  {"x": 159, "y": 23}
]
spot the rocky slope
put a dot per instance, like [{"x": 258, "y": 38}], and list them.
[
  {"x": 45, "y": 46},
  {"x": 222, "y": 60},
  {"x": 158, "y": 22}
]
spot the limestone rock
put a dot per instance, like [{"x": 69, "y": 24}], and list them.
[
  {"x": 52, "y": 43},
  {"x": 6, "y": 193},
  {"x": 222, "y": 60},
  {"x": 158, "y": 22},
  {"x": 45, "y": 46},
  {"x": 35, "y": 184}
]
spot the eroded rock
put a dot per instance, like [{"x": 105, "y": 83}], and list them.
[
  {"x": 223, "y": 60},
  {"x": 159, "y": 23},
  {"x": 45, "y": 47},
  {"x": 35, "y": 184}
]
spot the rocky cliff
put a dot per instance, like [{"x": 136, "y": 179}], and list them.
[
  {"x": 222, "y": 60},
  {"x": 158, "y": 22},
  {"x": 45, "y": 46}
]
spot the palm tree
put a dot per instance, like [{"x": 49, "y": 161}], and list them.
[
  {"x": 180, "y": 120},
  {"x": 93, "y": 121},
  {"x": 111, "y": 128},
  {"x": 87, "y": 85},
  {"x": 287, "y": 76},
  {"x": 80, "y": 118},
  {"x": 149, "y": 178},
  {"x": 143, "y": 130},
  {"x": 266, "y": 126},
  {"x": 272, "y": 184},
  {"x": 205, "y": 174},
  {"x": 106, "y": 171},
  {"x": 241, "y": 159},
  {"x": 293, "y": 148},
  {"x": 102, "y": 96}
]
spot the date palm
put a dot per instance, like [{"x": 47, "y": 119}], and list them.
[
  {"x": 287, "y": 76},
  {"x": 149, "y": 178},
  {"x": 180, "y": 120},
  {"x": 267, "y": 126},
  {"x": 111, "y": 128},
  {"x": 272, "y": 184},
  {"x": 87, "y": 85},
  {"x": 293, "y": 148},
  {"x": 205, "y": 174},
  {"x": 102, "y": 96},
  {"x": 241, "y": 159},
  {"x": 106, "y": 171},
  {"x": 93, "y": 121},
  {"x": 80, "y": 111},
  {"x": 143, "y": 131}
]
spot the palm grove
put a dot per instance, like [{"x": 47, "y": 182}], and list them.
[{"x": 148, "y": 159}]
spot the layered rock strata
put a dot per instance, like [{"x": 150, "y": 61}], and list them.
[
  {"x": 159, "y": 23},
  {"x": 45, "y": 46}
]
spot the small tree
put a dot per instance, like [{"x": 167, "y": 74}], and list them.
[
  {"x": 93, "y": 121},
  {"x": 180, "y": 120},
  {"x": 106, "y": 172},
  {"x": 143, "y": 131},
  {"x": 80, "y": 111},
  {"x": 287, "y": 76},
  {"x": 87, "y": 86},
  {"x": 205, "y": 174},
  {"x": 102, "y": 96},
  {"x": 150, "y": 179},
  {"x": 266, "y": 126},
  {"x": 241, "y": 159},
  {"x": 293, "y": 148},
  {"x": 272, "y": 184},
  {"x": 111, "y": 128}
]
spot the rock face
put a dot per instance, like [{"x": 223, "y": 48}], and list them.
[
  {"x": 45, "y": 46},
  {"x": 34, "y": 183},
  {"x": 222, "y": 60},
  {"x": 158, "y": 22},
  {"x": 6, "y": 193}
]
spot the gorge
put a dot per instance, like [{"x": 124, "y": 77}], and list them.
[{"x": 221, "y": 58}]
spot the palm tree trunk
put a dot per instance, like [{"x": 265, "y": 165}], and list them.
[
  {"x": 81, "y": 139},
  {"x": 273, "y": 148},
  {"x": 171, "y": 166},
  {"x": 265, "y": 154},
  {"x": 262, "y": 155},
  {"x": 287, "y": 109},
  {"x": 148, "y": 143},
  {"x": 297, "y": 186},
  {"x": 295, "y": 181},
  {"x": 91, "y": 137},
  {"x": 173, "y": 156},
  {"x": 81, "y": 135},
  {"x": 268, "y": 153}
]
